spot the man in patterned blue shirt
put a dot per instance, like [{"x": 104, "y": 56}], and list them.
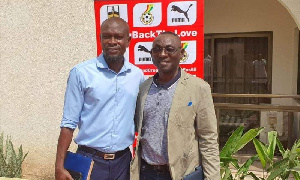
[{"x": 100, "y": 99}]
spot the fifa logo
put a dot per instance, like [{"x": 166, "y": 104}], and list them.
[
  {"x": 113, "y": 11},
  {"x": 185, "y": 55},
  {"x": 147, "y": 17}
]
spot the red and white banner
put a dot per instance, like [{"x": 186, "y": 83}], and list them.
[{"x": 147, "y": 19}]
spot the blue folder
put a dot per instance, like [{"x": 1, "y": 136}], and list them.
[
  {"x": 196, "y": 175},
  {"x": 78, "y": 165}
]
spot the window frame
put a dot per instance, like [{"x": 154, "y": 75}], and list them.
[{"x": 268, "y": 34}]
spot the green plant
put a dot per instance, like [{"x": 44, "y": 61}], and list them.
[
  {"x": 236, "y": 142},
  {"x": 10, "y": 162},
  {"x": 290, "y": 162}
]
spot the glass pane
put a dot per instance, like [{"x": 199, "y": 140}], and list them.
[
  {"x": 207, "y": 61},
  {"x": 298, "y": 92},
  {"x": 240, "y": 67}
]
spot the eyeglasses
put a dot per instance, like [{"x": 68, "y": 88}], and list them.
[{"x": 168, "y": 50}]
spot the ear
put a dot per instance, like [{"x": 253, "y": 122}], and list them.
[
  {"x": 182, "y": 51},
  {"x": 128, "y": 40}
]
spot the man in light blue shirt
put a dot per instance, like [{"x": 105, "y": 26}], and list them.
[{"x": 100, "y": 99}]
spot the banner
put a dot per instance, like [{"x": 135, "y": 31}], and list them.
[{"x": 147, "y": 19}]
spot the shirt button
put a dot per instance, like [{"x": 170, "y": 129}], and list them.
[
  {"x": 157, "y": 103},
  {"x": 159, "y": 94}
]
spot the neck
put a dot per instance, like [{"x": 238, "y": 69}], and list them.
[
  {"x": 166, "y": 77},
  {"x": 115, "y": 65}
]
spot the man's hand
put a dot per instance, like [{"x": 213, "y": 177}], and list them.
[
  {"x": 64, "y": 141},
  {"x": 62, "y": 174}
]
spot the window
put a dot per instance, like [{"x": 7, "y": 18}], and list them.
[{"x": 238, "y": 64}]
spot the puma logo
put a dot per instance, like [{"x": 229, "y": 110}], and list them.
[
  {"x": 185, "y": 13},
  {"x": 143, "y": 48}
]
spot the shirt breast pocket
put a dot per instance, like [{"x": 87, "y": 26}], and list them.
[{"x": 185, "y": 116}]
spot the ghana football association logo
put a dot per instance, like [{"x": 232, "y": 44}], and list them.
[
  {"x": 147, "y": 17},
  {"x": 113, "y": 11},
  {"x": 185, "y": 54}
]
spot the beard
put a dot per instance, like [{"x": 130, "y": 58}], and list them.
[{"x": 113, "y": 58}]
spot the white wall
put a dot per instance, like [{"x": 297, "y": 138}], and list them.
[
  {"x": 39, "y": 43},
  {"x": 41, "y": 40}
]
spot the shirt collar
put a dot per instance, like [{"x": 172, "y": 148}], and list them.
[
  {"x": 169, "y": 83},
  {"x": 101, "y": 64}
]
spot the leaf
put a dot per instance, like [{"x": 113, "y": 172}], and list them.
[
  {"x": 253, "y": 176},
  {"x": 286, "y": 153},
  {"x": 261, "y": 151},
  {"x": 296, "y": 175},
  {"x": 222, "y": 171},
  {"x": 294, "y": 150},
  {"x": 285, "y": 174},
  {"x": 235, "y": 164},
  {"x": 283, "y": 162},
  {"x": 247, "y": 137},
  {"x": 2, "y": 159},
  {"x": 227, "y": 159},
  {"x": 272, "y": 135},
  {"x": 276, "y": 173},
  {"x": 296, "y": 168},
  {"x": 280, "y": 147},
  {"x": 1, "y": 144},
  {"x": 245, "y": 167},
  {"x": 25, "y": 156},
  {"x": 18, "y": 170},
  {"x": 6, "y": 149},
  {"x": 2, "y": 165},
  {"x": 231, "y": 143},
  {"x": 227, "y": 175}
]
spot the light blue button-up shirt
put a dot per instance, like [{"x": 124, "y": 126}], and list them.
[{"x": 102, "y": 104}]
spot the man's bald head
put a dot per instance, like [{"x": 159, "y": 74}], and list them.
[
  {"x": 116, "y": 20},
  {"x": 171, "y": 33}
]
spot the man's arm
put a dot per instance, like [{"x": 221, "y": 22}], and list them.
[
  {"x": 64, "y": 141},
  {"x": 208, "y": 136}
]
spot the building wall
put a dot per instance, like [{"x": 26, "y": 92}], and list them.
[
  {"x": 280, "y": 17},
  {"x": 234, "y": 16},
  {"x": 293, "y": 7},
  {"x": 40, "y": 41}
]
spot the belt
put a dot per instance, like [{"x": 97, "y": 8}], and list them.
[
  {"x": 107, "y": 156},
  {"x": 158, "y": 168}
]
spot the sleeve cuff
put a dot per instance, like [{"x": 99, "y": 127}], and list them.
[{"x": 67, "y": 123}]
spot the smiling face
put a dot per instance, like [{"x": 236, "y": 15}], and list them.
[
  {"x": 166, "y": 53},
  {"x": 114, "y": 38}
]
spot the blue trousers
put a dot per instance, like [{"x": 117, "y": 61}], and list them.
[{"x": 116, "y": 169}]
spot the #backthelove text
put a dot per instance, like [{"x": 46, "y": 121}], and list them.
[{"x": 153, "y": 34}]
